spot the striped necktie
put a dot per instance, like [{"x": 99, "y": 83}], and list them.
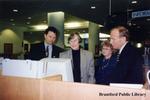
[
  {"x": 47, "y": 51},
  {"x": 118, "y": 56}
]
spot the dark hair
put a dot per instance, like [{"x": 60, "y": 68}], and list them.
[
  {"x": 122, "y": 31},
  {"x": 73, "y": 34},
  {"x": 52, "y": 29}
]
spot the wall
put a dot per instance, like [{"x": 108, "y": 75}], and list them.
[{"x": 14, "y": 35}]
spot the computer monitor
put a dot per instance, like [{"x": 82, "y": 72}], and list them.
[
  {"x": 61, "y": 66},
  {"x": 38, "y": 69}
]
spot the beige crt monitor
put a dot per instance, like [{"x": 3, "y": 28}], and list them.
[
  {"x": 38, "y": 69},
  {"x": 61, "y": 66}
]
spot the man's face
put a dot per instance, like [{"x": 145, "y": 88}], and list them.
[
  {"x": 50, "y": 37},
  {"x": 74, "y": 43},
  {"x": 116, "y": 40}
]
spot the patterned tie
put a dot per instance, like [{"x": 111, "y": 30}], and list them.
[
  {"x": 47, "y": 51},
  {"x": 118, "y": 55}
]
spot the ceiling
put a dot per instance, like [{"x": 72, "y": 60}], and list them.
[{"x": 107, "y": 12}]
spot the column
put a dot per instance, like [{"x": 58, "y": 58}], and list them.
[
  {"x": 93, "y": 37},
  {"x": 56, "y": 19}
]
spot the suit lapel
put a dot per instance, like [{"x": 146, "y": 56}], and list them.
[
  {"x": 124, "y": 50},
  {"x": 53, "y": 51},
  {"x": 82, "y": 62},
  {"x": 43, "y": 49}
]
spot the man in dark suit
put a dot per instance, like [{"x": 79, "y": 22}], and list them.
[
  {"x": 129, "y": 62},
  {"x": 47, "y": 47}
]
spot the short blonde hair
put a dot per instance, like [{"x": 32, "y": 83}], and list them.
[
  {"x": 73, "y": 34},
  {"x": 107, "y": 44}
]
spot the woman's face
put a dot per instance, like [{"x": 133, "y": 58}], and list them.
[
  {"x": 74, "y": 43},
  {"x": 106, "y": 51}
]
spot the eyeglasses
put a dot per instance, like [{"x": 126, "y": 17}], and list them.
[{"x": 106, "y": 49}]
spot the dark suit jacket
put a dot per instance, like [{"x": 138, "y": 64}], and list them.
[
  {"x": 129, "y": 67},
  {"x": 37, "y": 51},
  {"x": 103, "y": 74}
]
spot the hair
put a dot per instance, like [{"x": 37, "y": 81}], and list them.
[
  {"x": 72, "y": 36},
  {"x": 52, "y": 29},
  {"x": 107, "y": 44},
  {"x": 124, "y": 32}
]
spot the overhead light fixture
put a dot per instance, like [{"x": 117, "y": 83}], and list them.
[
  {"x": 103, "y": 35},
  {"x": 148, "y": 19},
  {"x": 28, "y": 23},
  {"x": 139, "y": 45},
  {"x": 11, "y": 19},
  {"x": 100, "y": 25},
  {"x": 15, "y": 10},
  {"x": 40, "y": 27},
  {"x": 103, "y": 39},
  {"x": 86, "y": 35},
  {"x": 134, "y": 2},
  {"x": 93, "y": 7},
  {"x": 13, "y": 24},
  {"x": 29, "y": 18},
  {"x": 74, "y": 25}
]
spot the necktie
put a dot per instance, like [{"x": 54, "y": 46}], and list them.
[
  {"x": 47, "y": 51},
  {"x": 118, "y": 55}
]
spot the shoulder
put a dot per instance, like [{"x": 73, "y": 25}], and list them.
[
  {"x": 130, "y": 49},
  {"x": 58, "y": 48},
  {"x": 85, "y": 52},
  {"x": 101, "y": 57},
  {"x": 65, "y": 52},
  {"x": 37, "y": 45}
]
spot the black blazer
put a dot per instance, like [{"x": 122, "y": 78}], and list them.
[
  {"x": 129, "y": 67},
  {"x": 38, "y": 52}
]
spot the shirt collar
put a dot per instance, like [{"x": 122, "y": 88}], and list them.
[
  {"x": 47, "y": 45},
  {"x": 122, "y": 47}
]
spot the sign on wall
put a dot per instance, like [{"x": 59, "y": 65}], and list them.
[{"x": 138, "y": 14}]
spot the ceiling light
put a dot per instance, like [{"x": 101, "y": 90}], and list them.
[
  {"x": 93, "y": 7},
  {"x": 28, "y": 23},
  {"x": 40, "y": 27},
  {"x": 100, "y": 25},
  {"x": 84, "y": 36},
  {"x": 67, "y": 35},
  {"x": 13, "y": 24},
  {"x": 103, "y": 35},
  {"x": 15, "y": 10},
  {"x": 134, "y": 2},
  {"x": 139, "y": 45},
  {"x": 29, "y": 18},
  {"x": 11, "y": 19},
  {"x": 103, "y": 39},
  {"x": 74, "y": 25},
  {"x": 148, "y": 19}
]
